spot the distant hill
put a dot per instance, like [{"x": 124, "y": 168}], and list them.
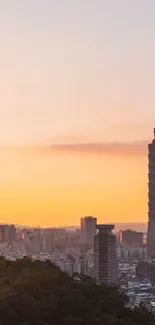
[{"x": 138, "y": 226}]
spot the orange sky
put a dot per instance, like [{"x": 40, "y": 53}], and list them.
[
  {"x": 75, "y": 72},
  {"x": 58, "y": 185}
]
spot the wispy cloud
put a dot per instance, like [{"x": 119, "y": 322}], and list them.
[
  {"x": 128, "y": 148},
  {"x": 136, "y": 148}
]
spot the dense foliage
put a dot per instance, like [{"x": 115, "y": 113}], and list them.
[{"x": 39, "y": 293}]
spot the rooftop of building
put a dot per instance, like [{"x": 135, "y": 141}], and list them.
[{"x": 105, "y": 227}]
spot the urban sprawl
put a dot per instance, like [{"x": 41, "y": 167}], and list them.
[{"x": 125, "y": 258}]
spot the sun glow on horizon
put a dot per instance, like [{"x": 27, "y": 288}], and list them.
[{"x": 41, "y": 187}]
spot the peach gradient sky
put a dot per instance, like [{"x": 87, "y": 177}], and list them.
[{"x": 77, "y": 76}]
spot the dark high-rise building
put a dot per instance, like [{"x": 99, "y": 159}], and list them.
[
  {"x": 105, "y": 259},
  {"x": 151, "y": 203}
]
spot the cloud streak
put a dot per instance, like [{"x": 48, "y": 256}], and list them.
[{"x": 137, "y": 148}]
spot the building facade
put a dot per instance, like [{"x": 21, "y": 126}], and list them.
[
  {"x": 151, "y": 202},
  {"x": 131, "y": 237},
  {"x": 88, "y": 231},
  {"x": 105, "y": 258},
  {"x": 7, "y": 234},
  {"x": 145, "y": 270}
]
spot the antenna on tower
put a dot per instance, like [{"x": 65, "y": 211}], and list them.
[{"x": 154, "y": 133}]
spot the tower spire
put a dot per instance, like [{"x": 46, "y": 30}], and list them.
[{"x": 151, "y": 203}]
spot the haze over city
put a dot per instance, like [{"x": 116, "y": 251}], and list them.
[{"x": 77, "y": 110}]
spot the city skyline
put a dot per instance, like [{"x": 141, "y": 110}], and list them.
[{"x": 77, "y": 110}]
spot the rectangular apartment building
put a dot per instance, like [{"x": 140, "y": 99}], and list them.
[{"x": 105, "y": 259}]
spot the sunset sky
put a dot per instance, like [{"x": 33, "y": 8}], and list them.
[{"x": 77, "y": 109}]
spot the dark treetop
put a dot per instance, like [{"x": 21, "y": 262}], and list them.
[{"x": 39, "y": 293}]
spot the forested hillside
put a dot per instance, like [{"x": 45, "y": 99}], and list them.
[{"x": 39, "y": 293}]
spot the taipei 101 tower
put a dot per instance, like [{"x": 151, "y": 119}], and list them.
[{"x": 151, "y": 203}]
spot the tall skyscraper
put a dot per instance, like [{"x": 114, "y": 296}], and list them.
[
  {"x": 7, "y": 233},
  {"x": 151, "y": 203},
  {"x": 105, "y": 259},
  {"x": 88, "y": 231},
  {"x": 4, "y": 233},
  {"x": 12, "y": 233}
]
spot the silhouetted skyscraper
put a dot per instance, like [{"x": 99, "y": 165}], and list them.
[
  {"x": 105, "y": 259},
  {"x": 151, "y": 203}
]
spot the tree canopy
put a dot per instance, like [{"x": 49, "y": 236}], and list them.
[{"x": 39, "y": 293}]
